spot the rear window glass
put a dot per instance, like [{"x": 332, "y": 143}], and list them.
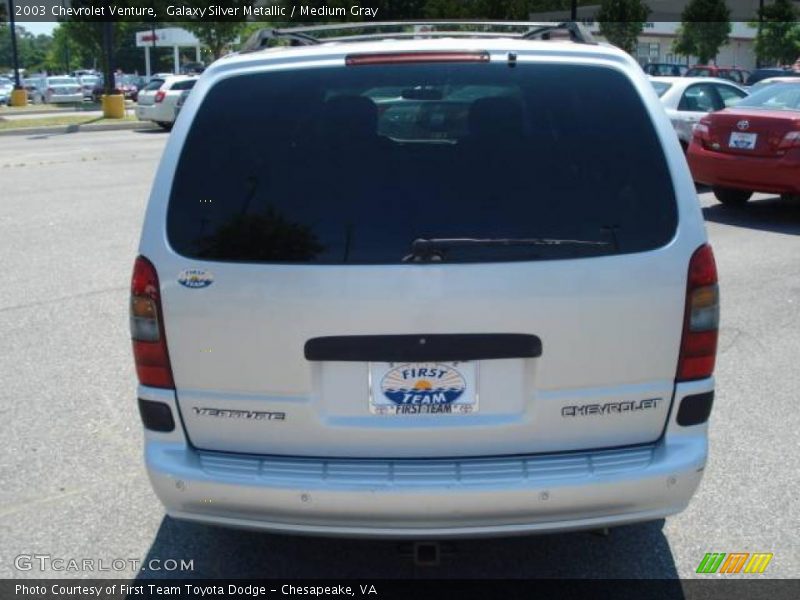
[
  {"x": 154, "y": 85},
  {"x": 186, "y": 84},
  {"x": 661, "y": 87},
  {"x": 777, "y": 96},
  {"x": 352, "y": 165}
]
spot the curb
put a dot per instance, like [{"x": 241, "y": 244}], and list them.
[
  {"x": 74, "y": 128},
  {"x": 56, "y": 111},
  {"x": 21, "y": 113}
]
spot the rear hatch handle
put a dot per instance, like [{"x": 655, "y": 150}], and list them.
[{"x": 422, "y": 347}]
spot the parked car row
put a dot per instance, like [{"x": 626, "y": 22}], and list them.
[
  {"x": 688, "y": 99},
  {"x": 81, "y": 85},
  {"x": 752, "y": 147},
  {"x": 737, "y": 75},
  {"x": 738, "y": 141}
]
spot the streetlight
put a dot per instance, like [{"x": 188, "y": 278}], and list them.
[
  {"x": 113, "y": 102},
  {"x": 66, "y": 48},
  {"x": 19, "y": 96},
  {"x": 760, "y": 25}
]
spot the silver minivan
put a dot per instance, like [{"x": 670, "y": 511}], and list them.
[{"x": 424, "y": 285}]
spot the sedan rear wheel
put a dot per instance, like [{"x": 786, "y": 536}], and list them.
[{"x": 732, "y": 196}]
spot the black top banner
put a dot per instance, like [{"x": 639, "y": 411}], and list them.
[{"x": 297, "y": 11}]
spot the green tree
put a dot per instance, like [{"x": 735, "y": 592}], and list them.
[
  {"x": 217, "y": 36},
  {"x": 32, "y": 50},
  {"x": 64, "y": 54},
  {"x": 621, "y": 22},
  {"x": 778, "y": 40},
  {"x": 705, "y": 27}
]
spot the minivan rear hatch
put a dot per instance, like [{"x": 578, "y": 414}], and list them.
[{"x": 422, "y": 259}]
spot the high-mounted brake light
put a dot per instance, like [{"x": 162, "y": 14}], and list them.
[
  {"x": 160, "y": 95},
  {"x": 147, "y": 327},
  {"x": 701, "y": 319},
  {"x": 414, "y": 57}
]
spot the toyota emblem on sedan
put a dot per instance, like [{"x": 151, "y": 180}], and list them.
[{"x": 744, "y": 124}]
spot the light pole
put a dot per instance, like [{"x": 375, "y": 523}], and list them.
[
  {"x": 760, "y": 24},
  {"x": 66, "y": 48},
  {"x": 19, "y": 96},
  {"x": 113, "y": 102},
  {"x": 573, "y": 13}
]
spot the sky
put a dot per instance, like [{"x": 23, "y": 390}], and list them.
[{"x": 36, "y": 28}]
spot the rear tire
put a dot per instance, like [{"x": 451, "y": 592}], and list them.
[
  {"x": 164, "y": 125},
  {"x": 731, "y": 196}
]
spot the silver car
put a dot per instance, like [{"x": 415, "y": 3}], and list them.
[
  {"x": 688, "y": 99},
  {"x": 471, "y": 305},
  {"x": 6, "y": 87},
  {"x": 62, "y": 90}
]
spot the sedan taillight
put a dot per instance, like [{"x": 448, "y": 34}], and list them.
[
  {"x": 790, "y": 140},
  {"x": 160, "y": 94},
  {"x": 701, "y": 133}
]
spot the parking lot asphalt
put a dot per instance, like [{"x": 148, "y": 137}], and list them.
[{"x": 72, "y": 482}]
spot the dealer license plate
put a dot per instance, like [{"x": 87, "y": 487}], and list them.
[
  {"x": 429, "y": 388},
  {"x": 743, "y": 141}
]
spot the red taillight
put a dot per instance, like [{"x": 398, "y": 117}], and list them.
[
  {"x": 790, "y": 140},
  {"x": 160, "y": 95},
  {"x": 701, "y": 318},
  {"x": 414, "y": 57},
  {"x": 147, "y": 327},
  {"x": 701, "y": 132}
]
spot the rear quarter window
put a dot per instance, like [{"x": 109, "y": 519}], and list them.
[
  {"x": 352, "y": 164},
  {"x": 187, "y": 84},
  {"x": 155, "y": 84}
]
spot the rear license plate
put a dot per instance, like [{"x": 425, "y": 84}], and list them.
[
  {"x": 743, "y": 141},
  {"x": 423, "y": 388}
]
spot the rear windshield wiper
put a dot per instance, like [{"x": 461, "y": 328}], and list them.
[{"x": 430, "y": 249}]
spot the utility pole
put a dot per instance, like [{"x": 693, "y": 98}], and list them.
[
  {"x": 108, "y": 45},
  {"x": 19, "y": 97},
  {"x": 113, "y": 102},
  {"x": 66, "y": 49},
  {"x": 760, "y": 25},
  {"x": 574, "y": 10},
  {"x": 14, "y": 55}
]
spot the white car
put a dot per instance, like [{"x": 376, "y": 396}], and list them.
[
  {"x": 689, "y": 99},
  {"x": 62, "y": 90},
  {"x": 484, "y": 308},
  {"x": 6, "y": 87},
  {"x": 158, "y": 100}
]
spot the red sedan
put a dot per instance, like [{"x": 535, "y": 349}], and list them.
[{"x": 752, "y": 147}]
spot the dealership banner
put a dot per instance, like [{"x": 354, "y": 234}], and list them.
[
  {"x": 285, "y": 12},
  {"x": 401, "y": 589}
]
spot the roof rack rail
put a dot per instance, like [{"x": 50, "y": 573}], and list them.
[{"x": 357, "y": 32}]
